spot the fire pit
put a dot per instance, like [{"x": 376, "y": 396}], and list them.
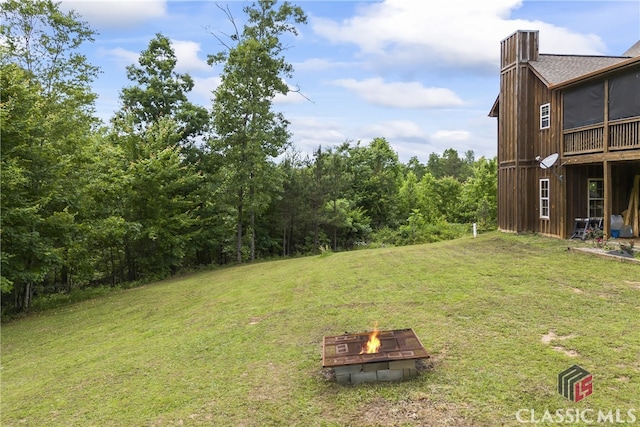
[{"x": 373, "y": 356}]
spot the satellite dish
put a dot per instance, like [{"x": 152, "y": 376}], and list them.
[{"x": 549, "y": 161}]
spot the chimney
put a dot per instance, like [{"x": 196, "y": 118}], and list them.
[{"x": 521, "y": 46}]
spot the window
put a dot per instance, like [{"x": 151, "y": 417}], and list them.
[
  {"x": 545, "y": 116},
  {"x": 544, "y": 198},
  {"x": 583, "y": 106},
  {"x": 624, "y": 101},
  {"x": 596, "y": 198}
]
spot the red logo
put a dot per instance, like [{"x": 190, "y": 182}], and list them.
[
  {"x": 575, "y": 383},
  {"x": 583, "y": 388}
]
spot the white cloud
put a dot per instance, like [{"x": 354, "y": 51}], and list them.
[
  {"x": 319, "y": 64},
  {"x": 445, "y": 34},
  {"x": 289, "y": 98},
  {"x": 408, "y": 138},
  {"x": 121, "y": 56},
  {"x": 294, "y": 96},
  {"x": 396, "y": 129},
  {"x": 203, "y": 88},
  {"x": 401, "y": 94},
  {"x": 309, "y": 133},
  {"x": 312, "y": 122},
  {"x": 187, "y": 55},
  {"x": 107, "y": 104},
  {"x": 102, "y": 14},
  {"x": 563, "y": 41},
  {"x": 451, "y": 135}
]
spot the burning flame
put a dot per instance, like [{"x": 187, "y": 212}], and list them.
[{"x": 373, "y": 345}]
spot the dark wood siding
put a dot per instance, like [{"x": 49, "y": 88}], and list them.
[
  {"x": 616, "y": 157},
  {"x": 577, "y": 178},
  {"x": 520, "y": 139}
]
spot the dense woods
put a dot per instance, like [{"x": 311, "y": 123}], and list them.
[{"x": 168, "y": 185}]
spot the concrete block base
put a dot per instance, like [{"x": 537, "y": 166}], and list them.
[{"x": 376, "y": 372}]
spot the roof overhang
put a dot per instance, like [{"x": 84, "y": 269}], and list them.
[
  {"x": 538, "y": 75},
  {"x": 628, "y": 63},
  {"x": 495, "y": 108},
  {"x": 598, "y": 73}
]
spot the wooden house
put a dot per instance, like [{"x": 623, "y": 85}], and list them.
[{"x": 585, "y": 109}]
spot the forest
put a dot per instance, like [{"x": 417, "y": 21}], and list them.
[{"x": 168, "y": 186}]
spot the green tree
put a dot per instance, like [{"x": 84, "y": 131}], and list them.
[
  {"x": 408, "y": 195},
  {"x": 447, "y": 192},
  {"x": 330, "y": 193},
  {"x": 414, "y": 230},
  {"x": 162, "y": 201},
  {"x": 317, "y": 195},
  {"x": 154, "y": 132},
  {"x": 249, "y": 133},
  {"x": 450, "y": 164},
  {"x": 347, "y": 223},
  {"x": 45, "y": 42},
  {"x": 159, "y": 204},
  {"x": 416, "y": 167},
  {"x": 428, "y": 204},
  {"x": 292, "y": 210},
  {"x": 26, "y": 257},
  {"x": 480, "y": 192},
  {"x": 47, "y": 108},
  {"x": 376, "y": 175},
  {"x": 160, "y": 92}
]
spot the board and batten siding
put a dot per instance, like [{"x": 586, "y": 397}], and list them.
[
  {"x": 520, "y": 140},
  {"x": 615, "y": 158}
]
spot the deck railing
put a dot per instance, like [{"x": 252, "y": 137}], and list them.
[
  {"x": 623, "y": 135},
  {"x": 583, "y": 140}
]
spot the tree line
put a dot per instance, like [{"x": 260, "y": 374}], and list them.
[{"x": 167, "y": 185}]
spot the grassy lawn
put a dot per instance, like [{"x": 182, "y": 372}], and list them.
[{"x": 502, "y": 315}]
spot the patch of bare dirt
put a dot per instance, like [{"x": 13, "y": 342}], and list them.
[
  {"x": 635, "y": 285},
  {"x": 551, "y": 336},
  {"x": 570, "y": 353},
  {"x": 613, "y": 255},
  {"x": 417, "y": 411}
]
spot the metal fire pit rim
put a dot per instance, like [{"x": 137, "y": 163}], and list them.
[{"x": 414, "y": 352}]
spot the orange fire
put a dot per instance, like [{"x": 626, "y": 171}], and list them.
[{"x": 373, "y": 345}]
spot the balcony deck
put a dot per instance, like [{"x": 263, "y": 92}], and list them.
[{"x": 621, "y": 135}]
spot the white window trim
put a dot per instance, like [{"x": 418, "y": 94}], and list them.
[
  {"x": 545, "y": 118},
  {"x": 543, "y": 199},
  {"x": 589, "y": 198}
]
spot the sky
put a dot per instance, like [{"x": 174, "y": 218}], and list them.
[{"x": 422, "y": 74}]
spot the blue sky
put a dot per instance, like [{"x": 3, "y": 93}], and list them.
[{"x": 422, "y": 74}]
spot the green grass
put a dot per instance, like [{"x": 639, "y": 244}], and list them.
[{"x": 242, "y": 346}]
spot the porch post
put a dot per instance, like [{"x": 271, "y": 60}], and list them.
[
  {"x": 606, "y": 166},
  {"x": 605, "y": 124}
]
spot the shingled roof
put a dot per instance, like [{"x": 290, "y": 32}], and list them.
[
  {"x": 555, "y": 69},
  {"x": 633, "y": 50}
]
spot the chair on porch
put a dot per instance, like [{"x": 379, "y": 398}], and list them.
[{"x": 581, "y": 227}]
